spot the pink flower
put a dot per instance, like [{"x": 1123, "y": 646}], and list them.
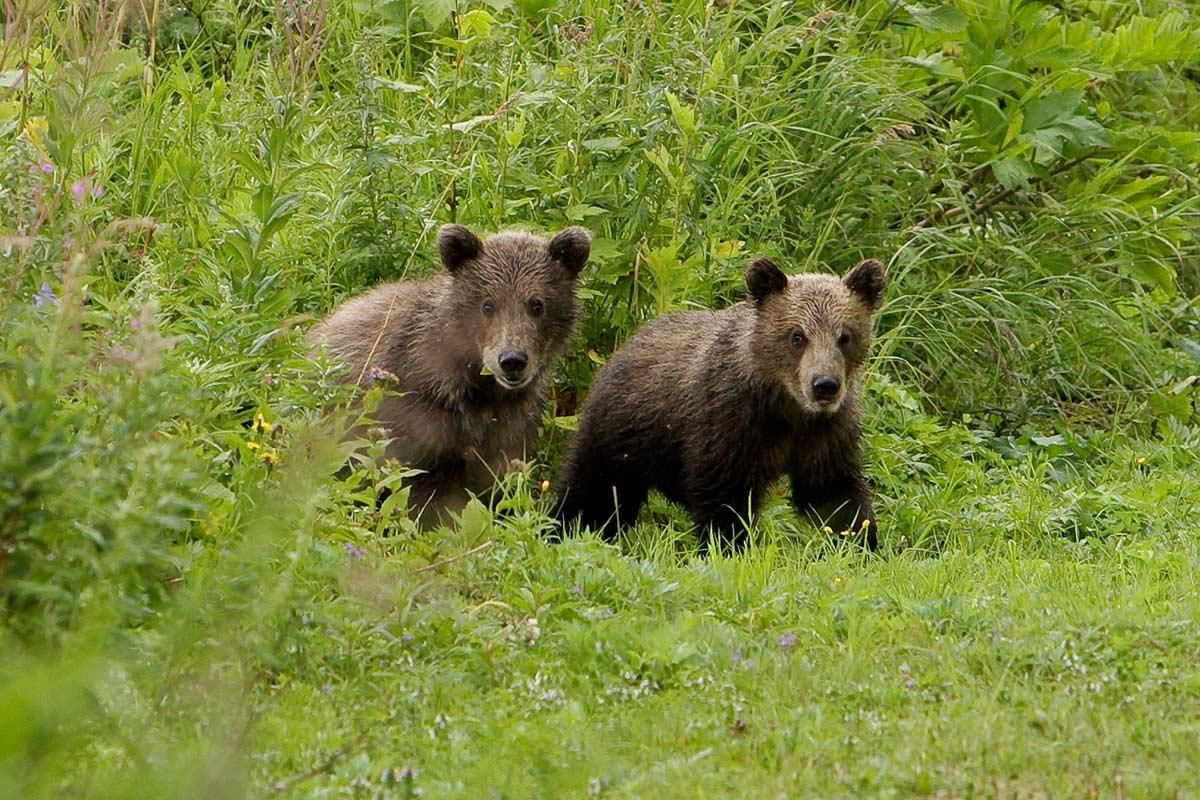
[
  {"x": 787, "y": 640},
  {"x": 79, "y": 189},
  {"x": 48, "y": 168}
]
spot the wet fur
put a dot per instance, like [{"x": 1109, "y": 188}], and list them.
[
  {"x": 708, "y": 408},
  {"x": 460, "y": 426}
]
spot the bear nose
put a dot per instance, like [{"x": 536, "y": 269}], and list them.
[
  {"x": 513, "y": 361},
  {"x": 825, "y": 387}
]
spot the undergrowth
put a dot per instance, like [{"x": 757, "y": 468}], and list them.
[{"x": 195, "y": 601}]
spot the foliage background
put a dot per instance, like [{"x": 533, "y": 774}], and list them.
[{"x": 191, "y": 605}]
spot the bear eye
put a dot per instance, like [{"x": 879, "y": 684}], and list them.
[
  {"x": 798, "y": 339},
  {"x": 536, "y": 307},
  {"x": 844, "y": 339},
  {"x": 489, "y": 308}
]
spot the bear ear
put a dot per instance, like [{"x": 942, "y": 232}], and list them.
[
  {"x": 764, "y": 278},
  {"x": 457, "y": 246},
  {"x": 571, "y": 248},
  {"x": 867, "y": 280}
]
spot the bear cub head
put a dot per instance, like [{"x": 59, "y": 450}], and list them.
[
  {"x": 514, "y": 295},
  {"x": 812, "y": 333}
]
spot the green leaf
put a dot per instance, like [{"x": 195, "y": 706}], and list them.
[
  {"x": 476, "y": 23},
  {"x": 940, "y": 18},
  {"x": 1152, "y": 273},
  {"x": 378, "y": 82},
  {"x": 937, "y": 63},
  {"x": 1168, "y": 404},
  {"x": 605, "y": 144},
  {"x": 435, "y": 12},
  {"x": 1051, "y": 109},
  {"x": 1013, "y": 172},
  {"x": 685, "y": 116}
]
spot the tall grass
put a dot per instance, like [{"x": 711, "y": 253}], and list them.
[{"x": 192, "y": 604}]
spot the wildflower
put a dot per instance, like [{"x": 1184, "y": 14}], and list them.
[
  {"x": 1141, "y": 461},
  {"x": 45, "y": 296},
  {"x": 787, "y": 640},
  {"x": 866, "y": 523},
  {"x": 80, "y": 189},
  {"x": 47, "y": 168},
  {"x": 379, "y": 375},
  {"x": 253, "y": 445},
  {"x": 838, "y": 580},
  {"x": 354, "y": 551},
  {"x": 98, "y": 191},
  {"x": 828, "y": 530},
  {"x": 261, "y": 424},
  {"x": 36, "y": 130},
  {"x": 545, "y": 486},
  {"x": 737, "y": 657},
  {"x": 269, "y": 456}
]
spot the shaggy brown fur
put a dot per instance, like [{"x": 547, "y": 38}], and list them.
[
  {"x": 711, "y": 408},
  {"x": 469, "y": 349}
]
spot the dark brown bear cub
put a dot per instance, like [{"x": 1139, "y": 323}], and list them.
[
  {"x": 468, "y": 350},
  {"x": 711, "y": 408}
]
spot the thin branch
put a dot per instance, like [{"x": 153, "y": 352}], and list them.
[
  {"x": 996, "y": 198},
  {"x": 452, "y": 559}
]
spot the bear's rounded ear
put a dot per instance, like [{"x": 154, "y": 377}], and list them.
[
  {"x": 457, "y": 246},
  {"x": 571, "y": 248},
  {"x": 764, "y": 278},
  {"x": 867, "y": 280}
]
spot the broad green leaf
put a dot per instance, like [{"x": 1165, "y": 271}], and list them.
[
  {"x": 1054, "y": 107},
  {"x": 685, "y": 116},
  {"x": 944, "y": 18},
  {"x": 435, "y": 12},
  {"x": 938, "y": 64},
  {"x": 605, "y": 144},
  {"x": 1152, "y": 273},
  {"x": 1013, "y": 172},
  {"x": 1166, "y": 404},
  {"x": 476, "y": 23},
  {"x": 378, "y": 82}
]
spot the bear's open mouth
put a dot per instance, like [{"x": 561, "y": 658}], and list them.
[{"x": 509, "y": 383}]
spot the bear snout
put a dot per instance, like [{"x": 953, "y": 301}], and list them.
[{"x": 825, "y": 388}]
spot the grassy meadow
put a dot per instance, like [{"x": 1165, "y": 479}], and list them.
[{"x": 194, "y": 602}]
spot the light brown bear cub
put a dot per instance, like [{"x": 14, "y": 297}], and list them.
[
  {"x": 712, "y": 408},
  {"x": 469, "y": 349}
]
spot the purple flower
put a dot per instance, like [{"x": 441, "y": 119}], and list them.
[
  {"x": 97, "y": 191},
  {"x": 787, "y": 640},
  {"x": 48, "y": 168},
  {"x": 45, "y": 296},
  {"x": 737, "y": 657},
  {"x": 354, "y": 551},
  {"x": 406, "y": 638},
  {"x": 79, "y": 189},
  {"x": 379, "y": 375}
]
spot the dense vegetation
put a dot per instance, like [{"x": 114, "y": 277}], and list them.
[{"x": 193, "y": 604}]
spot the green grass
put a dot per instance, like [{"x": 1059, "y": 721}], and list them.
[{"x": 193, "y": 604}]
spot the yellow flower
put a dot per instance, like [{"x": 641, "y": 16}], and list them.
[
  {"x": 837, "y": 581},
  {"x": 865, "y": 524},
  {"x": 827, "y": 530},
  {"x": 270, "y": 456},
  {"x": 36, "y": 130},
  {"x": 545, "y": 486},
  {"x": 253, "y": 445},
  {"x": 1141, "y": 461},
  {"x": 261, "y": 424}
]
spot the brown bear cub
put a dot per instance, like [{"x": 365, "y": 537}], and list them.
[
  {"x": 710, "y": 408},
  {"x": 468, "y": 351}
]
